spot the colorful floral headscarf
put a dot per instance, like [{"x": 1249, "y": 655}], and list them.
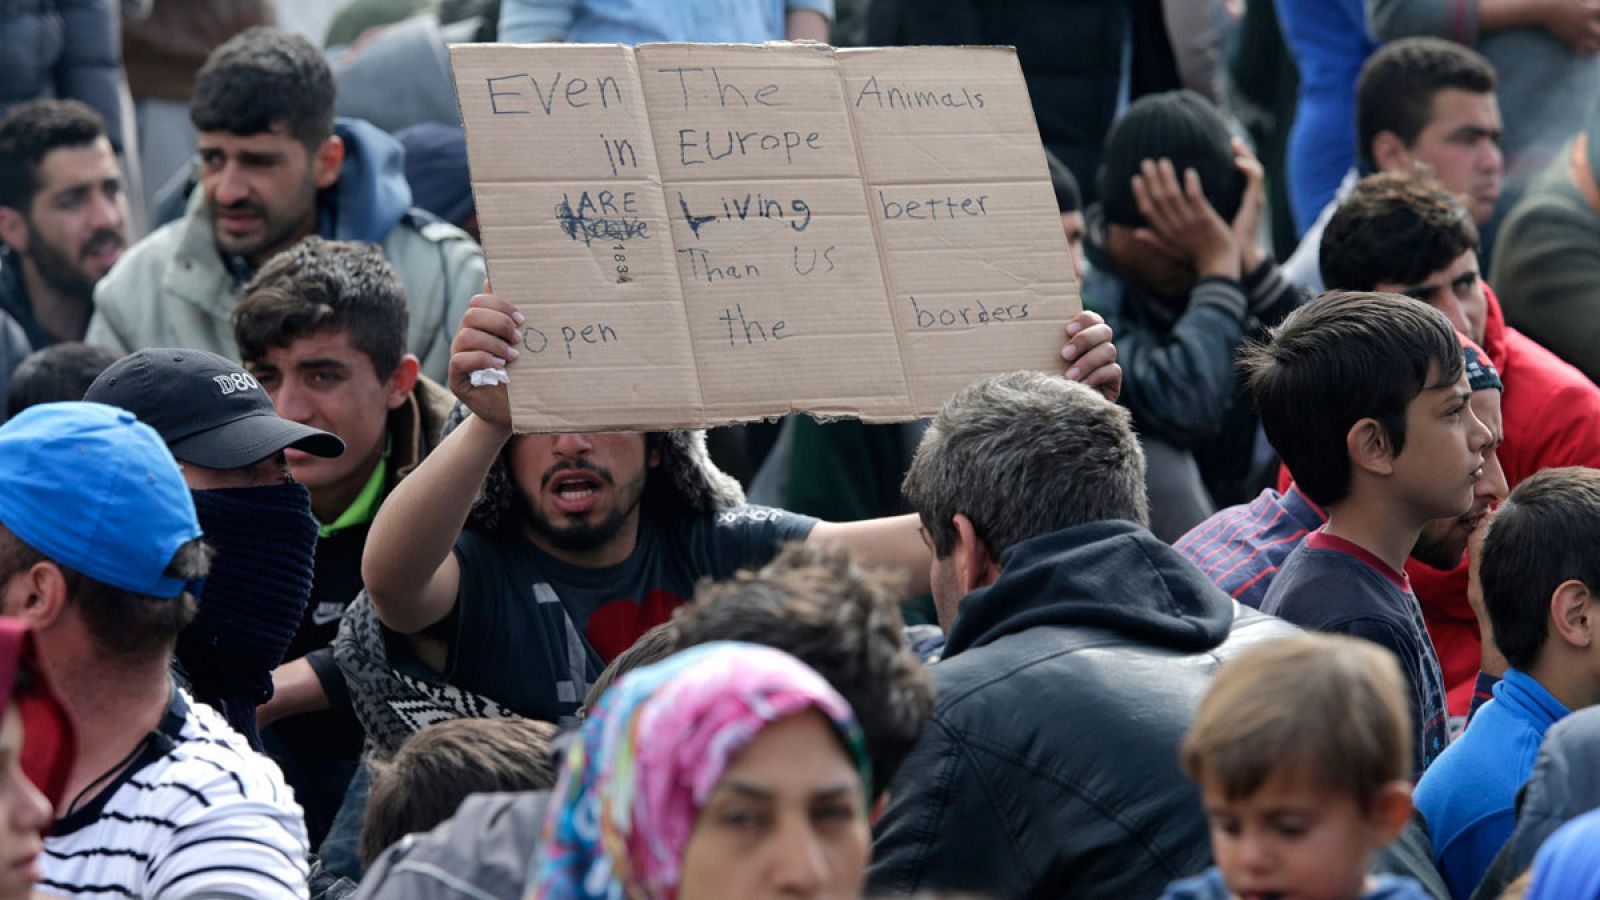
[{"x": 647, "y": 758}]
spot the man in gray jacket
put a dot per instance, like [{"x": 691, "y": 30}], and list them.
[{"x": 274, "y": 168}]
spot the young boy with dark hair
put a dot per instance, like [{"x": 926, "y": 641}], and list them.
[
  {"x": 1406, "y": 234},
  {"x": 1541, "y": 586},
  {"x": 1301, "y": 750},
  {"x": 1364, "y": 396}
]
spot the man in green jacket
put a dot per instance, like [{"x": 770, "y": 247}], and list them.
[{"x": 275, "y": 167}]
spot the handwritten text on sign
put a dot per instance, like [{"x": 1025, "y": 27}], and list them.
[{"x": 701, "y": 234}]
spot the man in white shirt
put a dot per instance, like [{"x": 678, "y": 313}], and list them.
[{"x": 101, "y": 554}]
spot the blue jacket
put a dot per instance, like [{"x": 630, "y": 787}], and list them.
[{"x": 1469, "y": 793}]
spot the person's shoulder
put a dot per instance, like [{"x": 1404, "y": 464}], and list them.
[
  {"x": 1558, "y": 385},
  {"x": 146, "y": 258},
  {"x": 416, "y": 225},
  {"x": 1206, "y": 886},
  {"x": 208, "y": 759},
  {"x": 1397, "y": 887}
]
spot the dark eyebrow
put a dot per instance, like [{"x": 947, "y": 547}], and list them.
[
  {"x": 321, "y": 363},
  {"x": 259, "y": 157},
  {"x": 1474, "y": 132}
]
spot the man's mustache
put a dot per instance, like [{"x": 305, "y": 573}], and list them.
[{"x": 582, "y": 465}]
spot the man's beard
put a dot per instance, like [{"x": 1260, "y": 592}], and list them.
[
  {"x": 58, "y": 269},
  {"x": 580, "y": 535},
  {"x": 1437, "y": 550}
]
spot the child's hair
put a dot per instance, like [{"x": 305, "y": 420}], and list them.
[
  {"x": 441, "y": 765},
  {"x": 1339, "y": 359},
  {"x": 1329, "y": 706},
  {"x": 1543, "y": 536}
]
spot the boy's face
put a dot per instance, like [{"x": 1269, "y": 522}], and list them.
[
  {"x": 1293, "y": 840},
  {"x": 324, "y": 381},
  {"x": 1442, "y": 460},
  {"x": 1443, "y": 541}
]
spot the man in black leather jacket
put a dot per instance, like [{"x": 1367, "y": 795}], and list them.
[{"x": 1079, "y": 648}]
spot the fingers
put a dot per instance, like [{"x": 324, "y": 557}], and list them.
[
  {"x": 488, "y": 331},
  {"x": 1107, "y": 380},
  {"x": 1088, "y": 342},
  {"x": 1092, "y": 361},
  {"x": 1085, "y": 319}
]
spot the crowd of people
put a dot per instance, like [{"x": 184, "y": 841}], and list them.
[{"x": 1283, "y": 585}]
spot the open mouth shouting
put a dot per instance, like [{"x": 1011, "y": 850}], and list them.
[{"x": 576, "y": 490}]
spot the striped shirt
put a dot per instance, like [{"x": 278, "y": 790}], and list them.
[
  {"x": 1240, "y": 548},
  {"x": 197, "y": 814}
]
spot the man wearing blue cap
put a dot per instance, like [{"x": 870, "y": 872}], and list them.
[{"x": 101, "y": 554}]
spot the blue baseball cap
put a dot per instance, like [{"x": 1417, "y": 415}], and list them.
[{"x": 96, "y": 490}]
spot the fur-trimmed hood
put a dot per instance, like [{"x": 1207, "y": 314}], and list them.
[{"x": 686, "y": 478}]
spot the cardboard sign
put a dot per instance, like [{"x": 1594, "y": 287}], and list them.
[{"x": 707, "y": 233}]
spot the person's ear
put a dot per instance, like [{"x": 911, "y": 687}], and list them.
[
  {"x": 1390, "y": 812},
  {"x": 401, "y": 381},
  {"x": 1389, "y": 153},
  {"x": 975, "y": 568},
  {"x": 38, "y": 595},
  {"x": 14, "y": 229},
  {"x": 1572, "y": 613},
  {"x": 1367, "y": 442},
  {"x": 327, "y": 160}
]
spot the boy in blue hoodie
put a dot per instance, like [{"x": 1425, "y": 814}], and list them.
[
  {"x": 1540, "y": 577},
  {"x": 1364, "y": 396}
]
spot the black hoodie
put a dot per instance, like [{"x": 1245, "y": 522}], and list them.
[{"x": 1050, "y": 766}]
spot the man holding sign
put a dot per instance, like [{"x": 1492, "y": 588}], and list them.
[{"x": 601, "y": 536}]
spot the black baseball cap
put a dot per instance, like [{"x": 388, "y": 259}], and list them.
[{"x": 209, "y": 410}]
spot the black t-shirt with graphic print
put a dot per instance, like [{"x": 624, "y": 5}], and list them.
[{"x": 533, "y": 633}]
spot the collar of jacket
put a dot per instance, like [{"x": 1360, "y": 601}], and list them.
[
  {"x": 1114, "y": 575},
  {"x": 1494, "y": 331},
  {"x": 415, "y": 427}
]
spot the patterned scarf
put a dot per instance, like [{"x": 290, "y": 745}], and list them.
[{"x": 647, "y": 758}]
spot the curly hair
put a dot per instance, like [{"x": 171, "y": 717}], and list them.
[{"x": 817, "y": 605}]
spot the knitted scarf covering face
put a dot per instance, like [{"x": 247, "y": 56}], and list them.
[{"x": 260, "y": 581}]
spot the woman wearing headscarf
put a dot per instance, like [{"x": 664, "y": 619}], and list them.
[
  {"x": 36, "y": 752},
  {"x": 728, "y": 770}
]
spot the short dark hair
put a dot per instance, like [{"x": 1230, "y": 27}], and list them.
[
  {"x": 1395, "y": 89},
  {"x": 817, "y": 605},
  {"x": 1396, "y": 228},
  {"x": 56, "y": 373},
  {"x": 1545, "y": 534},
  {"x": 262, "y": 77},
  {"x": 1023, "y": 455},
  {"x": 27, "y": 135},
  {"x": 1344, "y": 357},
  {"x": 319, "y": 285},
  {"x": 128, "y": 628},
  {"x": 441, "y": 765}
]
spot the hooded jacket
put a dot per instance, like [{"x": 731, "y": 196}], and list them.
[
  {"x": 1050, "y": 765},
  {"x": 174, "y": 289}
]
